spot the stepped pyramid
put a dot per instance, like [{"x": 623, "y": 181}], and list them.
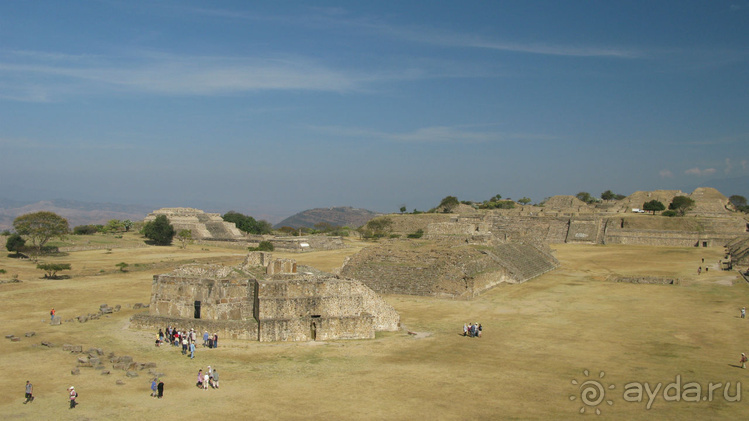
[{"x": 204, "y": 226}]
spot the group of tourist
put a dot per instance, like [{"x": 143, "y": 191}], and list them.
[
  {"x": 209, "y": 378},
  {"x": 186, "y": 338},
  {"x": 472, "y": 330}
]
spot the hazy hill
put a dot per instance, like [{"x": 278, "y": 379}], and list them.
[
  {"x": 77, "y": 213},
  {"x": 337, "y": 216}
]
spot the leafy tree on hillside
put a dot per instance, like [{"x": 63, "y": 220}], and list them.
[
  {"x": 127, "y": 224},
  {"x": 377, "y": 227},
  {"x": 681, "y": 204},
  {"x": 160, "y": 231},
  {"x": 114, "y": 225},
  {"x": 524, "y": 201},
  {"x": 585, "y": 197},
  {"x": 247, "y": 223},
  {"x": 40, "y": 227},
  {"x": 15, "y": 243},
  {"x": 609, "y": 195},
  {"x": 653, "y": 206},
  {"x": 403, "y": 209},
  {"x": 449, "y": 203},
  {"x": 739, "y": 202}
]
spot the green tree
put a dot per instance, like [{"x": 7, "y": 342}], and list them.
[
  {"x": 653, "y": 206},
  {"x": 160, "y": 231},
  {"x": 114, "y": 225},
  {"x": 85, "y": 230},
  {"x": 247, "y": 223},
  {"x": 585, "y": 197},
  {"x": 40, "y": 227},
  {"x": 737, "y": 200},
  {"x": 448, "y": 203},
  {"x": 127, "y": 224},
  {"x": 681, "y": 204},
  {"x": 608, "y": 195},
  {"x": 377, "y": 227},
  {"x": 15, "y": 243},
  {"x": 51, "y": 269},
  {"x": 524, "y": 201},
  {"x": 403, "y": 209},
  {"x": 184, "y": 236}
]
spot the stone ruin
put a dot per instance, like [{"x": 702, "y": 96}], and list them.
[
  {"x": 266, "y": 299},
  {"x": 204, "y": 226},
  {"x": 449, "y": 267}
]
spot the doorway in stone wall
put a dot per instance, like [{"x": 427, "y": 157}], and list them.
[
  {"x": 313, "y": 328},
  {"x": 197, "y": 309}
]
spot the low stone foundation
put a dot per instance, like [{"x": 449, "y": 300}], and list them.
[
  {"x": 645, "y": 280},
  {"x": 234, "y": 329}
]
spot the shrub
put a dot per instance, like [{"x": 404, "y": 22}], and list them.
[
  {"x": 85, "y": 230},
  {"x": 262, "y": 246},
  {"x": 418, "y": 234},
  {"x": 670, "y": 213}
]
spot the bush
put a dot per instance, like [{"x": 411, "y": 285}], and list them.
[
  {"x": 160, "y": 231},
  {"x": 15, "y": 243},
  {"x": 418, "y": 234},
  {"x": 669, "y": 213},
  {"x": 85, "y": 229},
  {"x": 262, "y": 246},
  {"x": 395, "y": 236}
]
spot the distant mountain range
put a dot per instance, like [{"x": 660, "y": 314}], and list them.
[
  {"x": 338, "y": 216},
  {"x": 77, "y": 213}
]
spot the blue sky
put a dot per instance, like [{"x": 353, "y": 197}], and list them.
[{"x": 276, "y": 107}]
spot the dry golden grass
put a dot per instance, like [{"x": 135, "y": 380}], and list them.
[{"x": 538, "y": 337}]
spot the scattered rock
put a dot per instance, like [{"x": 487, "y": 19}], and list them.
[
  {"x": 76, "y": 371},
  {"x": 30, "y": 334},
  {"x": 105, "y": 372},
  {"x": 131, "y": 374},
  {"x": 119, "y": 383},
  {"x": 117, "y": 308},
  {"x": 48, "y": 344},
  {"x": 57, "y": 320},
  {"x": 9, "y": 336},
  {"x": 137, "y": 306},
  {"x": 15, "y": 339}
]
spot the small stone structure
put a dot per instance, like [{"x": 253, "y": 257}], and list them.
[
  {"x": 267, "y": 300},
  {"x": 203, "y": 226}
]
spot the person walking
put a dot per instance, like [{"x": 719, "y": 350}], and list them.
[
  {"x": 153, "y": 387},
  {"x": 192, "y": 350},
  {"x": 743, "y": 312},
  {"x": 215, "y": 378},
  {"x": 73, "y": 395},
  {"x": 52, "y": 315},
  {"x": 29, "y": 392},
  {"x": 743, "y": 360},
  {"x": 160, "y": 388}
]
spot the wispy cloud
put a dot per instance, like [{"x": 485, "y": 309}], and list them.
[
  {"x": 434, "y": 134},
  {"x": 339, "y": 17},
  {"x": 700, "y": 172},
  {"x": 729, "y": 166},
  {"x": 666, "y": 174},
  {"x": 37, "y": 77}
]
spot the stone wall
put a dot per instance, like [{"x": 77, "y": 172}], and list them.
[
  {"x": 289, "y": 310},
  {"x": 234, "y": 329},
  {"x": 318, "y": 329},
  {"x": 221, "y": 296}
]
